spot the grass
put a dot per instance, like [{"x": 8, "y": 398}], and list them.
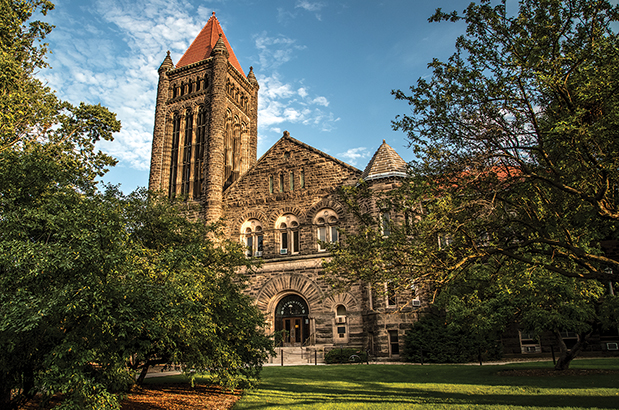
[{"x": 432, "y": 386}]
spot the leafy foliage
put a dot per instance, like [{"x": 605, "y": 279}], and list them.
[
  {"x": 514, "y": 190},
  {"x": 432, "y": 340},
  {"x": 98, "y": 285},
  {"x": 518, "y": 131}
]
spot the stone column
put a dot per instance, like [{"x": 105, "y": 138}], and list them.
[
  {"x": 156, "y": 182},
  {"x": 214, "y": 156}
]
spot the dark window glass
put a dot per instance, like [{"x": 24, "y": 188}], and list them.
[
  {"x": 187, "y": 154},
  {"x": 176, "y": 126}
]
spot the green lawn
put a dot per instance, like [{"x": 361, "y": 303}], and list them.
[{"x": 432, "y": 386}]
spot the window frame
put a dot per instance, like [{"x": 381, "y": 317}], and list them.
[
  {"x": 289, "y": 234},
  {"x": 252, "y": 236},
  {"x": 326, "y": 222}
]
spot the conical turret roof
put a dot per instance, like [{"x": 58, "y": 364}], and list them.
[
  {"x": 204, "y": 43},
  {"x": 385, "y": 163}
]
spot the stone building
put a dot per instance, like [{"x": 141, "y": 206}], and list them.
[{"x": 280, "y": 206}]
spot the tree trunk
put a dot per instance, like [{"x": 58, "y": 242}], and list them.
[
  {"x": 567, "y": 355},
  {"x": 146, "y": 365},
  {"x": 143, "y": 373}
]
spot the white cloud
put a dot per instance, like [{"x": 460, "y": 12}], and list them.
[
  {"x": 284, "y": 15},
  {"x": 309, "y": 6},
  {"x": 113, "y": 60},
  {"x": 114, "y": 57},
  {"x": 321, "y": 101},
  {"x": 313, "y": 7},
  {"x": 278, "y": 102},
  {"x": 354, "y": 154},
  {"x": 275, "y": 51}
]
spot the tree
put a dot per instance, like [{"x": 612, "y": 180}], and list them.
[
  {"x": 521, "y": 123},
  {"x": 517, "y": 165},
  {"x": 97, "y": 285}
]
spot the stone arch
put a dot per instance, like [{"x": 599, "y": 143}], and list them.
[
  {"x": 236, "y": 225},
  {"x": 346, "y": 299},
  {"x": 188, "y": 106},
  {"x": 286, "y": 210},
  {"x": 275, "y": 289},
  {"x": 326, "y": 203}
]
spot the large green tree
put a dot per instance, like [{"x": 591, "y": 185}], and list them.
[
  {"x": 96, "y": 286},
  {"x": 517, "y": 156},
  {"x": 519, "y": 128}
]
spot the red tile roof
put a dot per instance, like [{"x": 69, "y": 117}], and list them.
[{"x": 203, "y": 44}]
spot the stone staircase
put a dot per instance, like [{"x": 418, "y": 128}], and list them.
[{"x": 296, "y": 356}]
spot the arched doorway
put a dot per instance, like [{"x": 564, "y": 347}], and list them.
[{"x": 292, "y": 315}]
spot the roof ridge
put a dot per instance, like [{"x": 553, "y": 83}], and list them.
[{"x": 316, "y": 150}]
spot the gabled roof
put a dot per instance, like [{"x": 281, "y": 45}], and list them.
[
  {"x": 204, "y": 43},
  {"x": 385, "y": 163},
  {"x": 287, "y": 137}
]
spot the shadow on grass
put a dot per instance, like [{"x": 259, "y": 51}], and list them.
[
  {"x": 282, "y": 395},
  {"x": 382, "y": 386}
]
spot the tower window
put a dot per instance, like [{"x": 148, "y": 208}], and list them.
[
  {"x": 292, "y": 181},
  {"x": 270, "y": 184},
  {"x": 176, "y": 127},
  {"x": 198, "y": 173},
  {"x": 385, "y": 220},
  {"x": 302, "y": 179},
  {"x": 187, "y": 153},
  {"x": 281, "y": 182}
]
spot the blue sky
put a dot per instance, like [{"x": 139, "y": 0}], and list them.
[{"x": 326, "y": 68}]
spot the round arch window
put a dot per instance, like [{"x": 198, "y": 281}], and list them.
[{"x": 341, "y": 310}]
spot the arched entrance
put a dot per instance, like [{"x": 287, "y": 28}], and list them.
[{"x": 292, "y": 315}]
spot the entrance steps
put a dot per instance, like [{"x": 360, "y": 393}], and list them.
[{"x": 296, "y": 356}]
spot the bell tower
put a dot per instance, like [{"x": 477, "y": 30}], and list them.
[{"x": 206, "y": 122}]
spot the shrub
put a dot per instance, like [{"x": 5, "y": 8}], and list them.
[{"x": 440, "y": 342}]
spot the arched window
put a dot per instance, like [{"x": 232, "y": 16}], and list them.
[
  {"x": 252, "y": 237},
  {"x": 341, "y": 310},
  {"x": 186, "y": 170},
  {"x": 198, "y": 173},
  {"x": 326, "y": 222},
  {"x": 288, "y": 227},
  {"x": 176, "y": 128}
]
